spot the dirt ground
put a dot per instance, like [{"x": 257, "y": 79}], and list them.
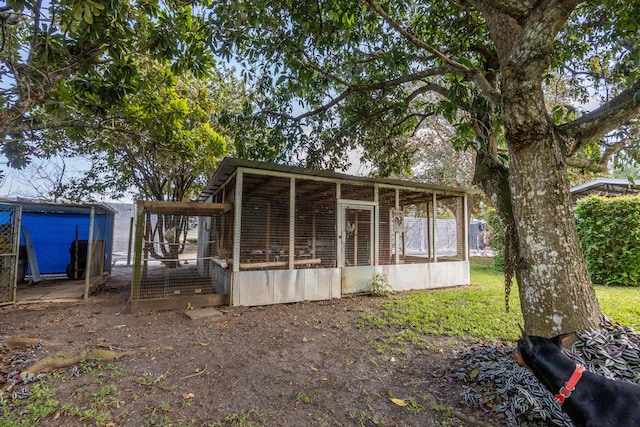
[{"x": 303, "y": 364}]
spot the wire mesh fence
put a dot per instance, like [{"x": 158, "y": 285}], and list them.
[
  {"x": 258, "y": 229},
  {"x": 280, "y": 231},
  {"x": 8, "y": 254},
  {"x": 416, "y": 232},
  {"x": 167, "y": 259}
]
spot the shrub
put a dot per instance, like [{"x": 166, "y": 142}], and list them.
[
  {"x": 380, "y": 286},
  {"x": 609, "y": 230}
]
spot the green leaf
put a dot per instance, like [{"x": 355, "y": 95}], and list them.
[
  {"x": 77, "y": 12},
  {"x": 88, "y": 15}
]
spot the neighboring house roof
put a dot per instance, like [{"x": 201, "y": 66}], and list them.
[
  {"x": 606, "y": 187},
  {"x": 229, "y": 165}
]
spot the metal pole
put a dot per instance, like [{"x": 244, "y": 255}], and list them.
[{"x": 130, "y": 241}]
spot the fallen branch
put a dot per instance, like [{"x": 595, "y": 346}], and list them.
[{"x": 194, "y": 375}]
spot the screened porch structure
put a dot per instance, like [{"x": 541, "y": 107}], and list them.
[{"x": 296, "y": 234}]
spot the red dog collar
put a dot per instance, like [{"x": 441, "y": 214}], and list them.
[{"x": 570, "y": 385}]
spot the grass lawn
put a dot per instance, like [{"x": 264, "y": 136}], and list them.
[
  {"x": 621, "y": 304},
  {"x": 477, "y": 312}
]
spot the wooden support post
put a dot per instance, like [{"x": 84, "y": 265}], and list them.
[
  {"x": 396, "y": 236},
  {"x": 433, "y": 225},
  {"x": 292, "y": 222},
  {"x": 355, "y": 238},
  {"x": 267, "y": 240},
  {"x": 237, "y": 222},
  {"x": 313, "y": 231},
  {"x": 139, "y": 247},
  {"x": 466, "y": 227},
  {"x": 90, "y": 243},
  {"x": 130, "y": 241},
  {"x": 429, "y": 232}
]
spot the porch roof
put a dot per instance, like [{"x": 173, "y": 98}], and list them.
[{"x": 229, "y": 165}]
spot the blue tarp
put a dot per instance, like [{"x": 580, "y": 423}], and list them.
[{"x": 53, "y": 233}]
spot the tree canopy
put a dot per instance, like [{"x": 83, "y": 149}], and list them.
[
  {"x": 131, "y": 86},
  {"x": 358, "y": 75},
  {"x": 337, "y": 75}
]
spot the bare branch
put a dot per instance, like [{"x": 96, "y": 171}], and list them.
[
  {"x": 613, "y": 149},
  {"x": 425, "y": 88},
  {"x": 603, "y": 164}
]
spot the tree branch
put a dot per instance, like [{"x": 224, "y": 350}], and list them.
[
  {"x": 473, "y": 74},
  {"x": 586, "y": 164},
  {"x": 366, "y": 87},
  {"x": 608, "y": 117},
  {"x": 603, "y": 164},
  {"x": 613, "y": 149}
]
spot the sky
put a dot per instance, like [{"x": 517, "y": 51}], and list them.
[{"x": 36, "y": 180}]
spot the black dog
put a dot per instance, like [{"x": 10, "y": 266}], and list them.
[{"x": 590, "y": 400}]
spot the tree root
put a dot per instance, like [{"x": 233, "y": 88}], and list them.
[
  {"x": 18, "y": 342},
  {"x": 66, "y": 358},
  {"x": 470, "y": 420}
]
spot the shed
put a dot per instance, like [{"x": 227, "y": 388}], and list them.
[
  {"x": 604, "y": 186},
  {"x": 44, "y": 242},
  {"x": 270, "y": 233}
]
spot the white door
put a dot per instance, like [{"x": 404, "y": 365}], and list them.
[{"x": 356, "y": 246}]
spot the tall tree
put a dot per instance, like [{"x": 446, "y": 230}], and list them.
[
  {"x": 130, "y": 85},
  {"x": 52, "y": 52},
  {"x": 162, "y": 141},
  {"x": 360, "y": 70}
]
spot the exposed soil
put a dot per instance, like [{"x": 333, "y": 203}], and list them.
[{"x": 303, "y": 364}]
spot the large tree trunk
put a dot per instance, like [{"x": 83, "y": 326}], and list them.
[
  {"x": 556, "y": 293},
  {"x": 555, "y": 288}
]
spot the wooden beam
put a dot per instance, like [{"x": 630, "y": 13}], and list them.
[
  {"x": 253, "y": 265},
  {"x": 173, "y": 303},
  {"x": 185, "y": 208}
]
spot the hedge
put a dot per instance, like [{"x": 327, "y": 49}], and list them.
[{"x": 609, "y": 230}]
